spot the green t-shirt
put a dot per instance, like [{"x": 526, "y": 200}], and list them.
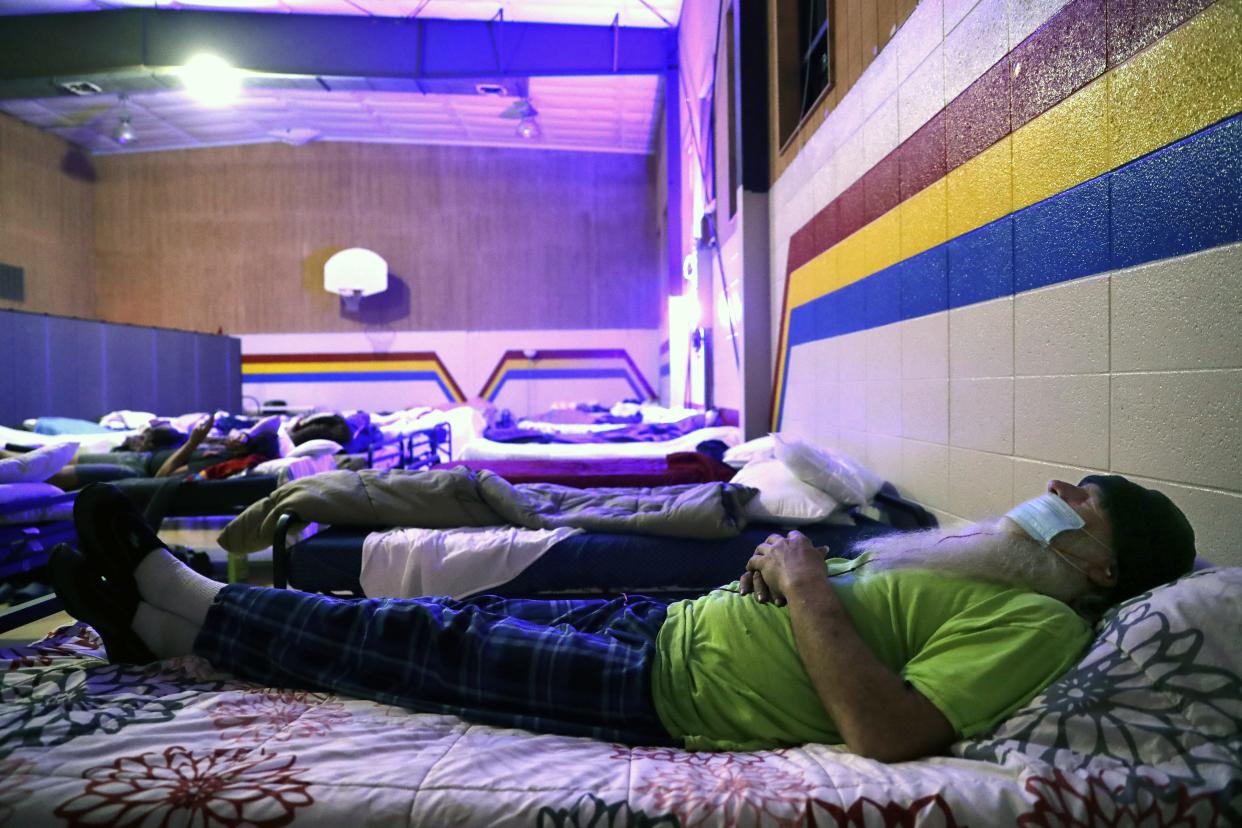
[{"x": 728, "y": 676}]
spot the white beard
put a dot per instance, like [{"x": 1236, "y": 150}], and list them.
[{"x": 996, "y": 551}]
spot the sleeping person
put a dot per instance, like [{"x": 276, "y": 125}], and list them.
[
  {"x": 925, "y": 638},
  {"x": 161, "y": 450}
]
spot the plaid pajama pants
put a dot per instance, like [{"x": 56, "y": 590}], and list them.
[{"x": 581, "y": 668}]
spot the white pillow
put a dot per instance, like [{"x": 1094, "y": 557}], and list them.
[
  {"x": 315, "y": 448},
  {"x": 833, "y": 472},
  {"x": 761, "y": 448},
  {"x": 38, "y": 465},
  {"x": 783, "y": 498},
  {"x": 11, "y": 493}
]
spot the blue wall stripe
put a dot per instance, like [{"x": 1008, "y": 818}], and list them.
[
  {"x": 568, "y": 373},
  {"x": 1186, "y": 197},
  {"x": 1177, "y": 200},
  {"x": 981, "y": 264},
  {"x": 883, "y": 297},
  {"x": 924, "y": 283},
  {"x": 1062, "y": 238}
]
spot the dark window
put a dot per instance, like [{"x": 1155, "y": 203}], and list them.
[
  {"x": 733, "y": 131},
  {"x": 803, "y": 60},
  {"x": 813, "y": 40}
]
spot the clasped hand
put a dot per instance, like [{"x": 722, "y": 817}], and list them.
[{"x": 779, "y": 564}]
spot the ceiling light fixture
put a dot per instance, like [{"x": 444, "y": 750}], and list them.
[
  {"x": 528, "y": 128},
  {"x": 211, "y": 80},
  {"x": 524, "y": 112},
  {"x": 124, "y": 133}
]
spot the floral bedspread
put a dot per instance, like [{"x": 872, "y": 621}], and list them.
[{"x": 1145, "y": 730}]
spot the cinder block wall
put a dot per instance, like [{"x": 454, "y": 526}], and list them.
[{"x": 1014, "y": 252}]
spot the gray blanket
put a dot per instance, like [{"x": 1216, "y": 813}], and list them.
[{"x": 444, "y": 499}]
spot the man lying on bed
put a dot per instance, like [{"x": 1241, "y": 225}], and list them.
[{"x": 923, "y": 639}]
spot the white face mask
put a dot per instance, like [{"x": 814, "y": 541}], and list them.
[{"x": 1045, "y": 517}]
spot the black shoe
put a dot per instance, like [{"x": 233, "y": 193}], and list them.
[
  {"x": 88, "y": 598},
  {"x": 113, "y": 535}
]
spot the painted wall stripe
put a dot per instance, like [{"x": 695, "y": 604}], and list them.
[
  {"x": 1061, "y": 151},
  {"x": 394, "y": 356},
  {"x": 365, "y": 376},
  {"x": 404, "y": 366},
  {"x": 567, "y": 364},
  {"x": 334, "y": 366},
  {"x": 568, "y": 373},
  {"x": 979, "y": 191},
  {"x": 1184, "y": 198},
  {"x": 1057, "y": 60}
]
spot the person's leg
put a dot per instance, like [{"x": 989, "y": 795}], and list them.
[
  {"x": 445, "y": 656},
  {"x": 87, "y": 597},
  {"x": 582, "y": 668},
  {"x": 77, "y": 475},
  {"x": 168, "y": 584},
  {"x": 166, "y": 634}
]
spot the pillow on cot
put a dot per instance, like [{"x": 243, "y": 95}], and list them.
[
  {"x": 315, "y": 448},
  {"x": 38, "y": 465},
  {"x": 751, "y": 451},
  {"x": 783, "y": 498},
  {"x": 833, "y": 472},
  {"x": 14, "y": 493}
]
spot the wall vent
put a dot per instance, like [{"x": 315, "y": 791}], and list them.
[
  {"x": 81, "y": 88},
  {"x": 12, "y": 283}
]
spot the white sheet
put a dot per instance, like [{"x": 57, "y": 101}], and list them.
[
  {"x": 407, "y": 563},
  {"x": 484, "y": 449}
]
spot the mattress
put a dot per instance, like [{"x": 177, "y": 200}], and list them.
[
  {"x": 484, "y": 449},
  {"x": 587, "y": 563},
  {"x": 671, "y": 470},
  {"x": 193, "y": 498},
  {"x": 1143, "y": 731}
]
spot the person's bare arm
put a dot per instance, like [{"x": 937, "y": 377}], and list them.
[
  {"x": 179, "y": 457},
  {"x": 879, "y": 715}
]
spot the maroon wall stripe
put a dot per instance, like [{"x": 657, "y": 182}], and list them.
[
  {"x": 882, "y": 190},
  {"x": 801, "y": 247},
  {"x": 826, "y": 224},
  {"x": 781, "y": 339},
  {"x": 1063, "y": 56},
  {"x": 922, "y": 156},
  {"x": 979, "y": 117},
  {"x": 1134, "y": 25},
  {"x": 1058, "y": 59},
  {"x": 853, "y": 213}
]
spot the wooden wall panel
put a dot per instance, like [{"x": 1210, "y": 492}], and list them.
[
  {"x": 861, "y": 30},
  {"x": 482, "y": 239},
  {"x": 46, "y": 220}
]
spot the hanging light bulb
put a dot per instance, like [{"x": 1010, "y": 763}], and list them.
[
  {"x": 528, "y": 128},
  {"x": 124, "y": 133}
]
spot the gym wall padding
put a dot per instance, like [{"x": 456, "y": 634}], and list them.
[{"x": 67, "y": 367}]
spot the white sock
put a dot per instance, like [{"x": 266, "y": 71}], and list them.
[
  {"x": 166, "y": 634},
  {"x": 170, "y": 585}
]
